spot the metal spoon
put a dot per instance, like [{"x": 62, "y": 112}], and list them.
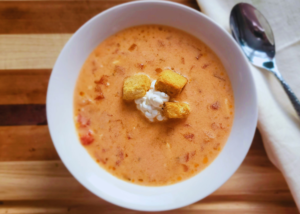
[{"x": 254, "y": 34}]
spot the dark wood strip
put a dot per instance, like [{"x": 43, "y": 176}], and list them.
[
  {"x": 26, "y": 143},
  {"x": 23, "y": 17},
  {"x": 23, "y": 86},
  {"x": 16, "y": 115}
]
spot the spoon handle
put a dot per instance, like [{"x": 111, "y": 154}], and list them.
[{"x": 290, "y": 93}]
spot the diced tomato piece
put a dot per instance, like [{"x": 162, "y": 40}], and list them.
[
  {"x": 187, "y": 157},
  {"x": 215, "y": 106},
  {"x": 205, "y": 66},
  {"x": 100, "y": 94},
  {"x": 99, "y": 97},
  {"x": 121, "y": 155},
  {"x": 103, "y": 80},
  {"x": 189, "y": 136},
  {"x": 87, "y": 139}
]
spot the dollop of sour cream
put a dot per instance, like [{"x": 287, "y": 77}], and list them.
[{"x": 151, "y": 104}]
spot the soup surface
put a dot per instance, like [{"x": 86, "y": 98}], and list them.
[{"x": 121, "y": 139}]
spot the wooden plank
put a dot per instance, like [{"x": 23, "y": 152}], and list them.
[
  {"x": 23, "y": 17},
  {"x": 23, "y": 86},
  {"x": 24, "y": 143},
  {"x": 40, "y": 182},
  {"x": 242, "y": 207},
  {"x": 18, "y": 115},
  {"x": 50, "y": 180},
  {"x": 36, "y": 51},
  {"x": 64, "y": 206},
  {"x": 262, "y": 180},
  {"x": 30, "y": 51},
  {"x": 37, "y": 180},
  {"x": 47, "y": 186},
  {"x": 29, "y": 143}
]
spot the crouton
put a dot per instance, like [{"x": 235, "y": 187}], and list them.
[
  {"x": 170, "y": 82},
  {"x": 176, "y": 110},
  {"x": 135, "y": 86}
]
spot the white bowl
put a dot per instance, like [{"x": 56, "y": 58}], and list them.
[{"x": 60, "y": 106}]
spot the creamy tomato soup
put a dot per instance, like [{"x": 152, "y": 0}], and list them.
[{"x": 121, "y": 139}]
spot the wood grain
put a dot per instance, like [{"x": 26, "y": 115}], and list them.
[
  {"x": 26, "y": 143},
  {"x": 249, "y": 189},
  {"x": 205, "y": 206},
  {"x": 256, "y": 180},
  {"x": 23, "y": 86},
  {"x": 30, "y": 51},
  {"x": 23, "y": 17}
]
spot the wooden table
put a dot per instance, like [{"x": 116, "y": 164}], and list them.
[{"x": 32, "y": 177}]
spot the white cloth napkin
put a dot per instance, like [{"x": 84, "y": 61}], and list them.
[{"x": 277, "y": 121}]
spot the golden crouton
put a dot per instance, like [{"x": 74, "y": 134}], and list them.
[
  {"x": 176, "y": 110},
  {"x": 136, "y": 86},
  {"x": 170, "y": 82}
]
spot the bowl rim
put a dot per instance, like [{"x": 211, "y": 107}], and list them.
[{"x": 108, "y": 11}]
